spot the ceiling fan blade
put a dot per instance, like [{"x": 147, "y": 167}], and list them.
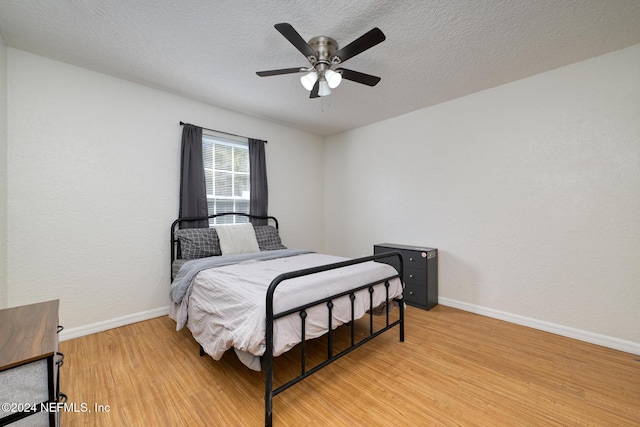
[
  {"x": 358, "y": 77},
  {"x": 278, "y": 72},
  {"x": 315, "y": 90},
  {"x": 295, "y": 39},
  {"x": 364, "y": 42}
]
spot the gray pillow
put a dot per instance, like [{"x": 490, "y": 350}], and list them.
[
  {"x": 198, "y": 243},
  {"x": 268, "y": 238}
]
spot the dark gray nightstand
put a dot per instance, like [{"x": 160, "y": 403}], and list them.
[{"x": 420, "y": 272}]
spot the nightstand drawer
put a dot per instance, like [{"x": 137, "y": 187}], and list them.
[
  {"x": 415, "y": 276},
  {"x": 414, "y": 259},
  {"x": 24, "y": 384},
  {"x": 415, "y": 294}
]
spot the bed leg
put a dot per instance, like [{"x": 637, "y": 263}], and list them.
[
  {"x": 401, "y": 304},
  {"x": 202, "y": 353},
  {"x": 267, "y": 413},
  {"x": 268, "y": 396}
]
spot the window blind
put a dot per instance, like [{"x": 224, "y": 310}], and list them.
[{"x": 226, "y": 169}]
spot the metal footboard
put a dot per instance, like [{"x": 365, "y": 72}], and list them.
[{"x": 271, "y": 317}]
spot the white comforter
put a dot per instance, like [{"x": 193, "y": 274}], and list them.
[{"x": 224, "y": 307}]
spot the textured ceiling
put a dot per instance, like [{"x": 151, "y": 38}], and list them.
[{"x": 209, "y": 50}]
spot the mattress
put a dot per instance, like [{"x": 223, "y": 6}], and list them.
[{"x": 224, "y": 307}]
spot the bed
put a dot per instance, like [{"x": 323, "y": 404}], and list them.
[{"x": 238, "y": 287}]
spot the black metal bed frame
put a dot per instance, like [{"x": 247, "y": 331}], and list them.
[{"x": 271, "y": 317}]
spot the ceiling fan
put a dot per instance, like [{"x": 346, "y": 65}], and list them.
[{"x": 323, "y": 54}]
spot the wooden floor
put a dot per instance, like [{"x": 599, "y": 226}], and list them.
[{"x": 454, "y": 368}]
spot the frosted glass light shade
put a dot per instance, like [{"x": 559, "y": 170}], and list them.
[
  {"x": 324, "y": 88},
  {"x": 333, "y": 78},
  {"x": 308, "y": 80}
]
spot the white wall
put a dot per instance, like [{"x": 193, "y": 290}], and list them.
[
  {"x": 530, "y": 191},
  {"x": 3, "y": 174},
  {"x": 93, "y": 174}
]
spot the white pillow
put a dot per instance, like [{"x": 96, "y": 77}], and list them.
[{"x": 237, "y": 239}]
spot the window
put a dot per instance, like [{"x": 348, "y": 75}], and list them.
[{"x": 226, "y": 171}]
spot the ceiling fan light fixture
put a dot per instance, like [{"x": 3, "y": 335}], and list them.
[
  {"x": 308, "y": 80},
  {"x": 323, "y": 53},
  {"x": 324, "y": 88},
  {"x": 333, "y": 78}
]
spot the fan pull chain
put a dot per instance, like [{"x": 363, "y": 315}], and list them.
[{"x": 322, "y": 104}]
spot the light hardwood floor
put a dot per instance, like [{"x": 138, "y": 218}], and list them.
[{"x": 454, "y": 368}]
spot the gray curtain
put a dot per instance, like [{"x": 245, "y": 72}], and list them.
[
  {"x": 259, "y": 199},
  {"x": 193, "y": 189}
]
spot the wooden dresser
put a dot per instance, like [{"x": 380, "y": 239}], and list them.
[
  {"x": 420, "y": 273},
  {"x": 29, "y": 365}
]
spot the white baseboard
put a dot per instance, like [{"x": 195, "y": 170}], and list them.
[
  {"x": 590, "y": 337},
  {"x": 81, "y": 331}
]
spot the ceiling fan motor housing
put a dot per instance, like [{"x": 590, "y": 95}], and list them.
[{"x": 324, "y": 47}]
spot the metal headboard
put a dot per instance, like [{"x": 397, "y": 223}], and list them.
[{"x": 175, "y": 244}]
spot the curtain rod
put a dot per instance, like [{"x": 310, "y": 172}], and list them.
[{"x": 219, "y": 131}]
